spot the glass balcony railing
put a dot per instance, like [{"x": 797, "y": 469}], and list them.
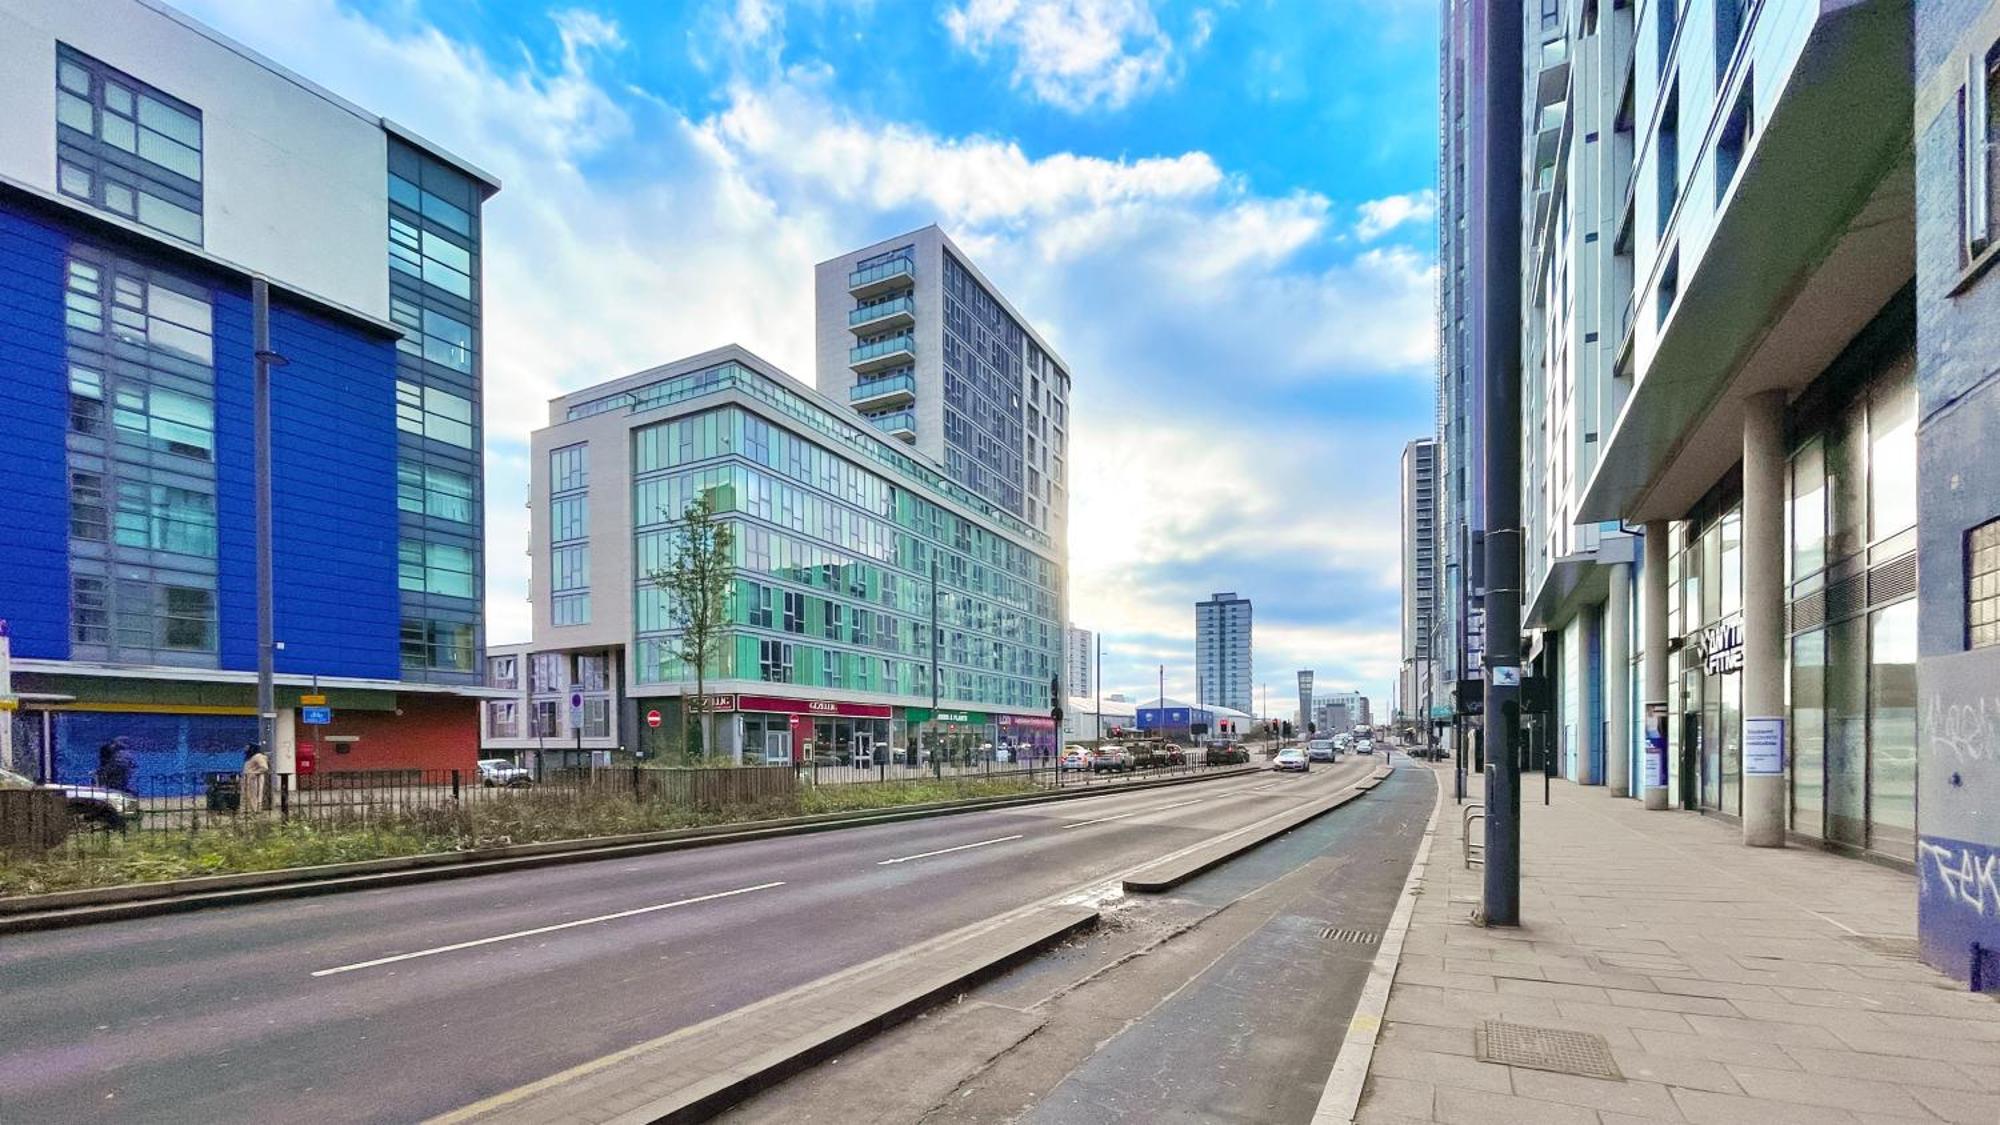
[
  {"x": 894, "y": 346},
  {"x": 877, "y": 388},
  {"x": 869, "y": 314},
  {"x": 900, "y": 421},
  {"x": 881, "y": 273}
]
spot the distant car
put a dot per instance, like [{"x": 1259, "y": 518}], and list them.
[
  {"x": 1365, "y": 746},
  {"x": 1075, "y": 758},
  {"x": 1291, "y": 758},
  {"x": 1225, "y": 754},
  {"x": 1111, "y": 759},
  {"x": 1321, "y": 750},
  {"x": 500, "y": 771}
]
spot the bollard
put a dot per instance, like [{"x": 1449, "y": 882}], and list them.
[{"x": 454, "y": 785}]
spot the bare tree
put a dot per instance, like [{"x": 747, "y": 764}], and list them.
[{"x": 697, "y": 581}]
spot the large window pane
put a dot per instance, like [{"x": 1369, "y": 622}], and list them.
[
  {"x": 1808, "y": 732},
  {"x": 1892, "y": 462},
  {"x": 1892, "y": 729},
  {"x": 1847, "y": 731},
  {"x": 1847, "y": 483},
  {"x": 1808, "y": 511}
]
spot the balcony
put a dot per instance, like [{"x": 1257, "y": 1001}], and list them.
[
  {"x": 901, "y": 423},
  {"x": 875, "y": 394},
  {"x": 883, "y": 354},
  {"x": 1548, "y": 130},
  {"x": 882, "y": 277},
  {"x": 898, "y": 313}
]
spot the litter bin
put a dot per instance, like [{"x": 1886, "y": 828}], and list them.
[{"x": 225, "y": 792}]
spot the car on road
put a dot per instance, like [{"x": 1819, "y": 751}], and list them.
[
  {"x": 1291, "y": 758},
  {"x": 502, "y": 772},
  {"x": 1075, "y": 758},
  {"x": 92, "y": 806},
  {"x": 1365, "y": 746},
  {"x": 1225, "y": 754},
  {"x": 1111, "y": 759},
  {"x": 1321, "y": 750}
]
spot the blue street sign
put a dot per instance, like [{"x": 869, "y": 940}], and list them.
[{"x": 316, "y": 716}]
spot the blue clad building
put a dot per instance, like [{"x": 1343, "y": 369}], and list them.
[{"x": 149, "y": 169}]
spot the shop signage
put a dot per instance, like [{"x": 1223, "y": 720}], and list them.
[
  {"x": 1475, "y": 640},
  {"x": 1026, "y": 722},
  {"x": 1763, "y": 746},
  {"x": 1720, "y": 646},
  {"x": 712, "y": 702},
  {"x": 925, "y": 714},
  {"x": 809, "y": 707}
]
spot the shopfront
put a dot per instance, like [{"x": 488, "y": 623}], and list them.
[
  {"x": 774, "y": 730},
  {"x": 1850, "y": 617}
]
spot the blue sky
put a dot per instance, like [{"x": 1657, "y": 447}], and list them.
[{"x": 1219, "y": 212}]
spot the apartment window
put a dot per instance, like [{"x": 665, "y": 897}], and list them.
[
  {"x": 431, "y": 257},
  {"x": 503, "y": 718},
  {"x": 433, "y": 413},
  {"x": 547, "y": 719},
  {"x": 1667, "y": 154},
  {"x": 432, "y": 491},
  {"x": 503, "y": 671},
  {"x": 774, "y": 661},
  {"x": 593, "y": 672},
  {"x": 545, "y": 673},
  {"x": 569, "y": 468},
  {"x": 436, "y": 568},
  {"x": 127, "y": 148},
  {"x": 567, "y": 516},
  {"x": 1979, "y": 136},
  {"x": 1735, "y": 137},
  {"x": 433, "y": 335},
  {"x": 439, "y": 645},
  {"x": 1982, "y": 585},
  {"x": 1729, "y": 23},
  {"x": 569, "y": 568},
  {"x": 569, "y": 609}
]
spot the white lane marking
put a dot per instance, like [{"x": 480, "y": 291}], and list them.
[
  {"x": 942, "y": 851},
  {"x": 1122, "y": 816},
  {"x": 542, "y": 930}
]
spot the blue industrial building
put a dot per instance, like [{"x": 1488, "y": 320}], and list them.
[{"x": 150, "y": 183}]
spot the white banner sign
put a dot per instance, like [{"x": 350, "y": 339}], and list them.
[{"x": 1763, "y": 747}]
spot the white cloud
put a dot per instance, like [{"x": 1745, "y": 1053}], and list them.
[
  {"x": 1380, "y": 216},
  {"x": 1188, "y": 304},
  {"x": 1075, "y": 54}
]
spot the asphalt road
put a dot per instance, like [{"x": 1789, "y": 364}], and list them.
[{"x": 396, "y": 1004}]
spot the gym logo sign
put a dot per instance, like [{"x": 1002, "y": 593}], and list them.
[{"x": 1721, "y": 646}]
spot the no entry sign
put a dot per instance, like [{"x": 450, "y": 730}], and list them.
[{"x": 652, "y": 718}]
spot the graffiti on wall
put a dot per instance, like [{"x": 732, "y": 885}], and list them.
[
  {"x": 1964, "y": 875},
  {"x": 1962, "y": 730}
]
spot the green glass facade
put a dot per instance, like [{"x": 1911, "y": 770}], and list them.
[{"x": 833, "y": 559}]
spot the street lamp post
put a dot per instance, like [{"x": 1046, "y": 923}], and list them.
[
  {"x": 263, "y": 360},
  {"x": 937, "y": 766}
]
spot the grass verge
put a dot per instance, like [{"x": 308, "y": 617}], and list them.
[{"x": 495, "y": 819}]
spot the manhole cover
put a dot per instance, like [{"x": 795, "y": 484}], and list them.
[
  {"x": 1546, "y": 1048},
  {"x": 1358, "y": 937}
]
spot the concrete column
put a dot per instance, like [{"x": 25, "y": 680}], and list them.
[
  {"x": 1653, "y": 667},
  {"x": 1617, "y": 649},
  {"x": 1764, "y": 617}
]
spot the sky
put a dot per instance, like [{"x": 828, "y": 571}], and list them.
[{"x": 1218, "y": 211}]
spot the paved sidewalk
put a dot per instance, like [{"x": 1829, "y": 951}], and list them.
[{"x": 1729, "y": 984}]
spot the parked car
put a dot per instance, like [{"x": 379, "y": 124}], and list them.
[
  {"x": 1291, "y": 758},
  {"x": 500, "y": 771},
  {"x": 90, "y": 805},
  {"x": 1075, "y": 758},
  {"x": 1321, "y": 750},
  {"x": 1111, "y": 759}
]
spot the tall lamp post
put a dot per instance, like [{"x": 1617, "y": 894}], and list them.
[
  {"x": 264, "y": 359},
  {"x": 937, "y": 765}
]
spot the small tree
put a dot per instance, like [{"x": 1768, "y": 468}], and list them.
[{"x": 697, "y": 579}]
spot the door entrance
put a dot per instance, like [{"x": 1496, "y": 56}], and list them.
[{"x": 777, "y": 747}]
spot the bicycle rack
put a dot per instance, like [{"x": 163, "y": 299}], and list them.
[{"x": 1471, "y": 852}]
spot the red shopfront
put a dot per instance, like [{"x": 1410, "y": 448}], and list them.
[{"x": 774, "y": 729}]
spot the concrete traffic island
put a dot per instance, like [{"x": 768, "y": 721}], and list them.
[
  {"x": 694, "y": 1073},
  {"x": 1185, "y": 866}
]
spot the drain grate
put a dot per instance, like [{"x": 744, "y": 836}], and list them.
[
  {"x": 1546, "y": 1048},
  {"x": 1357, "y": 937}
]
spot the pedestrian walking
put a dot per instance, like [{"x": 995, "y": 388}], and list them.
[
  {"x": 115, "y": 765},
  {"x": 256, "y": 776}
]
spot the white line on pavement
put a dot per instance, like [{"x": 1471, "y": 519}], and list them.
[
  {"x": 1122, "y": 816},
  {"x": 541, "y": 930},
  {"x": 941, "y": 851}
]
